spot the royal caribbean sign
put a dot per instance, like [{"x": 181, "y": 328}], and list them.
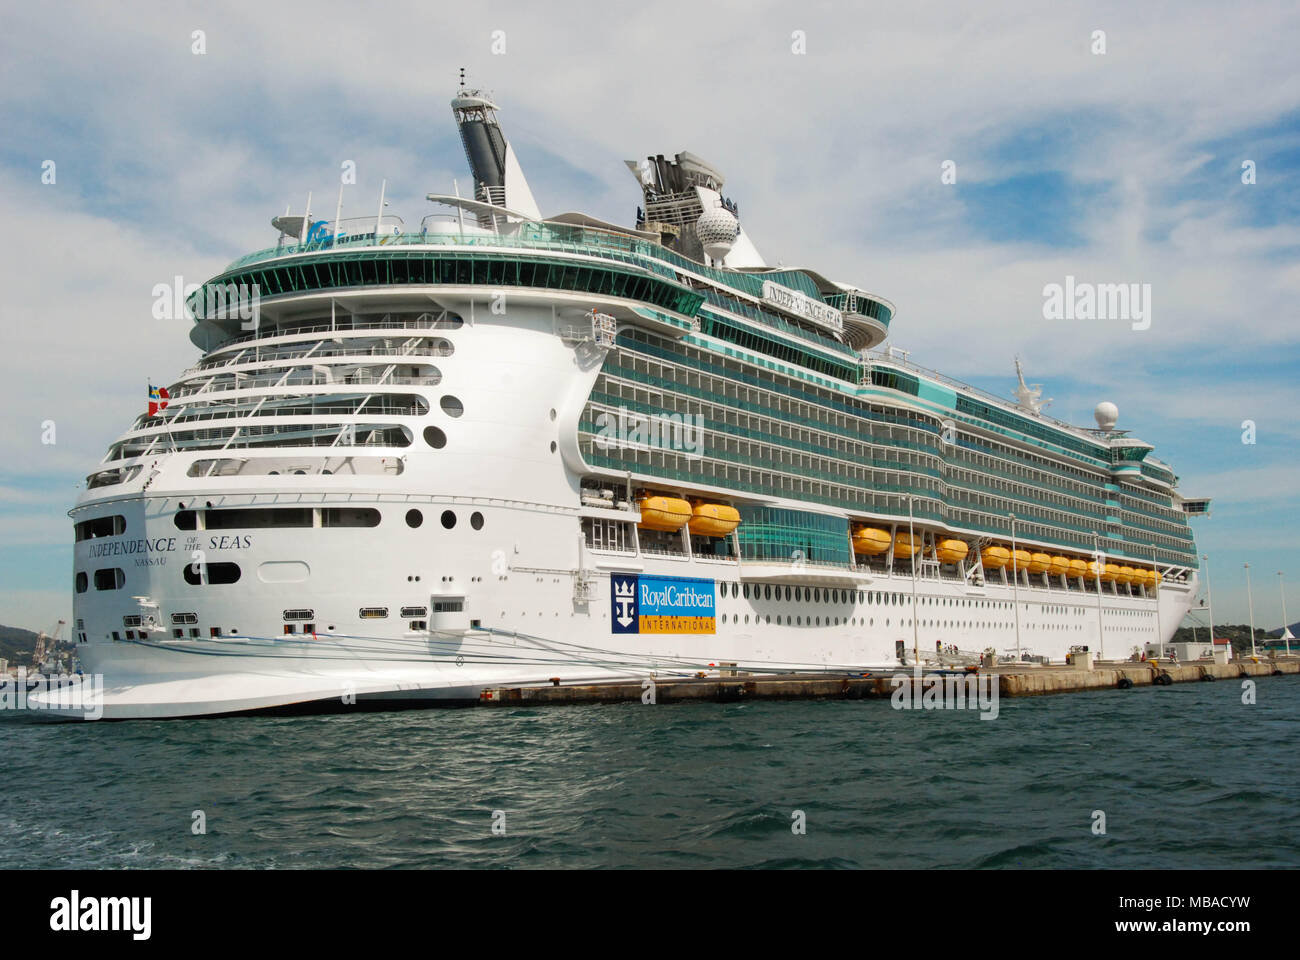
[{"x": 644, "y": 604}]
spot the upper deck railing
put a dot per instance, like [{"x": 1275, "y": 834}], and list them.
[{"x": 534, "y": 236}]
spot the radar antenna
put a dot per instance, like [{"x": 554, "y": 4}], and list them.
[{"x": 1028, "y": 396}]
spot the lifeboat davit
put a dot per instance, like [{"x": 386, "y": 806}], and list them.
[
  {"x": 1078, "y": 568},
  {"x": 1039, "y": 562},
  {"x": 951, "y": 551},
  {"x": 1059, "y": 566},
  {"x": 714, "y": 519},
  {"x": 995, "y": 558},
  {"x": 664, "y": 513},
  {"x": 870, "y": 541},
  {"x": 904, "y": 546}
]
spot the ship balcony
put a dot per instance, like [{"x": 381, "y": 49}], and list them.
[
  {"x": 863, "y": 333},
  {"x": 812, "y": 574},
  {"x": 866, "y": 317}
]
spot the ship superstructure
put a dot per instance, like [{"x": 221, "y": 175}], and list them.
[{"x": 504, "y": 449}]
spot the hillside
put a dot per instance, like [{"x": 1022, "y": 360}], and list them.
[
  {"x": 17, "y": 645},
  {"x": 1239, "y": 634}
]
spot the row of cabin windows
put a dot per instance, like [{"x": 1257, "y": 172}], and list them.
[
  {"x": 268, "y": 517},
  {"x": 262, "y": 518},
  {"x": 106, "y": 578},
  {"x": 113, "y": 526}
]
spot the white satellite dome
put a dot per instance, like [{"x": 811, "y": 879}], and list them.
[
  {"x": 717, "y": 229},
  {"x": 1106, "y": 414}
]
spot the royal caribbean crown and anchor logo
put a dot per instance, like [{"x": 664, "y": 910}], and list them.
[{"x": 641, "y": 604}]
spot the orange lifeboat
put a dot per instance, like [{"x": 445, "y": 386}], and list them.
[
  {"x": 1020, "y": 560},
  {"x": 1059, "y": 567},
  {"x": 664, "y": 513},
  {"x": 870, "y": 541},
  {"x": 904, "y": 545},
  {"x": 1126, "y": 575},
  {"x": 1039, "y": 562},
  {"x": 1078, "y": 568},
  {"x": 714, "y": 519},
  {"x": 951, "y": 551},
  {"x": 1110, "y": 572},
  {"x": 995, "y": 558}
]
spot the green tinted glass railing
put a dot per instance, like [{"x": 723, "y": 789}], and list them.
[{"x": 378, "y": 267}]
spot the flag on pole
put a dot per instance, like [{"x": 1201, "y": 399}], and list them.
[{"x": 158, "y": 397}]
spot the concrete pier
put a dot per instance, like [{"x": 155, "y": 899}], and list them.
[{"x": 1014, "y": 680}]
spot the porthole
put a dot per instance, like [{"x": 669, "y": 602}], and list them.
[
  {"x": 414, "y": 518},
  {"x": 448, "y": 519},
  {"x": 476, "y": 520},
  {"x": 82, "y": 581},
  {"x": 554, "y": 446},
  {"x": 435, "y": 438},
  {"x": 452, "y": 406}
]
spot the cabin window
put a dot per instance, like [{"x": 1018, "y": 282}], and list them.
[
  {"x": 109, "y": 578},
  {"x": 198, "y": 574}
]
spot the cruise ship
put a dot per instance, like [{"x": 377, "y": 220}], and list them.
[{"x": 414, "y": 463}]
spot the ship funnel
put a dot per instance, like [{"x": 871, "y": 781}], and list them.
[{"x": 498, "y": 178}]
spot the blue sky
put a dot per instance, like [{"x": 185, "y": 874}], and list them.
[{"x": 1122, "y": 167}]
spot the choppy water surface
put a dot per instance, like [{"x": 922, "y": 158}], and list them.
[{"x": 1187, "y": 777}]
